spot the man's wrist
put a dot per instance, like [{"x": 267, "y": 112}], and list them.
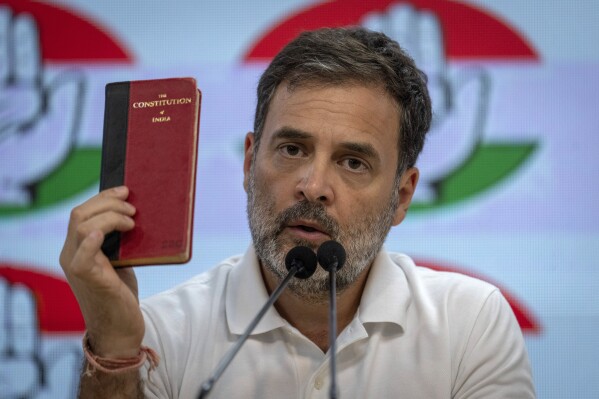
[
  {"x": 117, "y": 348},
  {"x": 119, "y": 364}
]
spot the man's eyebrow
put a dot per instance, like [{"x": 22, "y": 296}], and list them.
[
  {"x": 291, "y": 133},
  {"x": 364, "y": 149}
]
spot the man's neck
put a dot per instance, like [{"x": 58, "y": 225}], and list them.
[{"x": 311, "y": 317}]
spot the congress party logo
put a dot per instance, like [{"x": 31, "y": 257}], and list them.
[
  {"x": 34, "y": 308},
  {"x": 42, "y": 102},
  {"x": 452, "y": 43}
]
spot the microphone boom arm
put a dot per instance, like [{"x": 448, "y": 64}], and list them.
[{"x": 300, "y": 261}]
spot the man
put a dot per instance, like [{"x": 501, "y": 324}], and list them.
[{"x": 340, "y": 120}]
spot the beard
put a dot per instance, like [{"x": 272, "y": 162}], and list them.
[{"x": 362, "y": 239}]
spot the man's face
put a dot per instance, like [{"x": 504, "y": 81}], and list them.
[{"x": 326, "y": 169}]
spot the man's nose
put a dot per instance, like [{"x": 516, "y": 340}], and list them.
[{"x": 315, "y": 182}]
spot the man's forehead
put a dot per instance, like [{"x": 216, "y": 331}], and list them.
[
  {"x": 287, "y": 88},
  {"x": 359, "y": 119},
  {"x": 316, "y": 94}
]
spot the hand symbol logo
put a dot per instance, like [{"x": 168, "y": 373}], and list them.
[
  {"x": 27, "y": 369},
  {"x": 39, "y": 114},
  {"x": 459, "y": 97}
]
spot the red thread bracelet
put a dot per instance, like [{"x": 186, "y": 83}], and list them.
[{"x": 118, "y": 366}]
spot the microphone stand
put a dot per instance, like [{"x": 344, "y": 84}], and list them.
[
  {"x": 331, "y": 256},
  {"x": 333, "y": 328},
  {"x": 226, "y": 360},
  {"x": 300, "y": 264}
]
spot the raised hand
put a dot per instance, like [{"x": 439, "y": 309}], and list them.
[
  {"x": 459, "y": 98},
  {"x": 38, "y": 115},
  {"x": 107, "y": 297}
]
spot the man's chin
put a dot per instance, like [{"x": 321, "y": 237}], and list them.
[
  {"x": 314, "y": 290},
  {"x": 286, "y": 244},
  {"x": 291, "y": 242}
]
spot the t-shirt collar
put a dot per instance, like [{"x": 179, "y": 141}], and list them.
[
  {"x": 246, "y": 294},
  {"x": 386, "y": 296}
]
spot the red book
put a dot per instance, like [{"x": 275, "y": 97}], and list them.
[{"x": 150, "y": 145}]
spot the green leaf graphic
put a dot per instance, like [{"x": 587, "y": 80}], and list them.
[
  {"x": 488, "y": 165},
  {"x": 79, "y": 172}
]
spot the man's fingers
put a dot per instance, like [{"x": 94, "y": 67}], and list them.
[
  {"x": 23, "y": 321},
  {"x": 108, "y": 200},
  {"x": 106, "y": 216},
  {"x": 106, "y": 223},
  {"x": 85, "y": 257},
  {"x": 5, "y": 25},
  {"x": 99, "y": 204},
  {"x": 26, "y": 45},
  {"x": 120, "y": 192}
]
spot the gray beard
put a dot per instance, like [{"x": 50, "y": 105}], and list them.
[{"x": 362, "y": 240}]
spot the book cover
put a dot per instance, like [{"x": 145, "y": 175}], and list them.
[{"x": 151, "y": 132}]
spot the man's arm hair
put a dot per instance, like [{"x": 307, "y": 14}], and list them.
[{"x": 100, "y": 385}]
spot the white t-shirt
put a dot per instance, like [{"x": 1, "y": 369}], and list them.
[{"x": 417, "y": 333}]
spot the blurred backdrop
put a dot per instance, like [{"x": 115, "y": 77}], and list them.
[{"x": 509, "y": 180}]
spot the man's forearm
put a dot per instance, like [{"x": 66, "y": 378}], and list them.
[{"x": 100, "y": 385}]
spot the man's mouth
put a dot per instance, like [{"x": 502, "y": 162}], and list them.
[{"x": 308, "y": 230}]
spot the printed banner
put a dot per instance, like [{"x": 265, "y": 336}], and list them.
[{"x": 508, "y": 174}]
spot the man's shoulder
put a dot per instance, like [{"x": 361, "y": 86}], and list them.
[
  {"x": 198, "y": 289},
  {"x": 450, "y": 299},
  {"x": 441, "y": 285}
]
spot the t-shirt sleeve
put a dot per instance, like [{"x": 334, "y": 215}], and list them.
[
  {"x": 494, "y": 363},
  {"x": 157, "y": 384}
]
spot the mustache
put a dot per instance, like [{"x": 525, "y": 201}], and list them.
[{"x": 309, "y": 211}]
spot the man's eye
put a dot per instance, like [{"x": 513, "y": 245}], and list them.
[
  {"x": 291, "y": 150},
  {"x": 354, "y": 164}
]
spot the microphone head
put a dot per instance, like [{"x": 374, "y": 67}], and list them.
[
  {"x": 302, "y": 257},
  {"x": 331, "y": 254}
]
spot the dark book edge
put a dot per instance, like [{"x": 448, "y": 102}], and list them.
[
  {"x": 188, "y": 253},
  {"x": 114, "y": 148}
]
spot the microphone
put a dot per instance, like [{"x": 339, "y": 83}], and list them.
[
  {"x": 300, "y": 262},
  {"x": 331, "y": 256}
]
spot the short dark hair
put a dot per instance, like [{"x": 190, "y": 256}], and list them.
[{"x": 337, "y": 56}]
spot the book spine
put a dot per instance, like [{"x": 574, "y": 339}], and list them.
[{"x": 114, "y": 149}]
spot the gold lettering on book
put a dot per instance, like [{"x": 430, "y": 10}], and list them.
[
  {"x": 161, "y": 119},
  {"x": 162, "y": 103}
]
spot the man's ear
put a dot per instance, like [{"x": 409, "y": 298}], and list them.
[
  {"x": 407, "y": 186},
  {"x": 247, "y": 161}
]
